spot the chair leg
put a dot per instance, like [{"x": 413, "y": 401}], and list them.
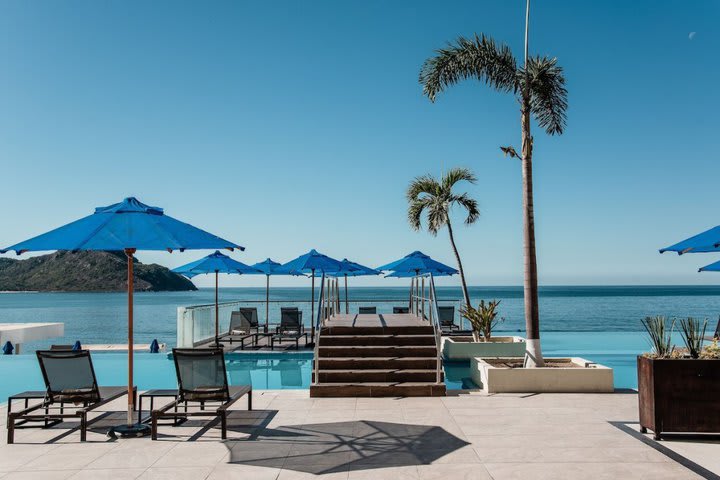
[
  {"x": 83, "y": 427},
  {"x": 153, "y": 427},
  {"x": 223, "y": 425},
  {"x": 250, "y": 400},
  {"x": 11, "y": 430}
]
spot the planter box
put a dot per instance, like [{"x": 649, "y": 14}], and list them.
[
  {"x": 583, "y": 377},
  {"x": 678, "y": 395},
  {"x": 463, "y": 348}
]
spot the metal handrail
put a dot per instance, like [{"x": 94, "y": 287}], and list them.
[
  {"x": 435, "y": 319},
  {"x": 318, "y": 325},
  {"x": 417, "y": 304}
]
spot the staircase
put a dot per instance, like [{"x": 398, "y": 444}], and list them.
[{"x": 376, "y": 361}]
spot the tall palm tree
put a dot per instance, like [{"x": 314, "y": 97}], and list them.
[
  {"x": 436, "y": 198},
  {"x": 539, "y": 86}
]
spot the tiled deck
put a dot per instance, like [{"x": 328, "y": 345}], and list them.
[{"x": 291, "y": 436}]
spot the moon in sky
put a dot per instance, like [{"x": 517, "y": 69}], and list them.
[{"x": 692, "y": 35}]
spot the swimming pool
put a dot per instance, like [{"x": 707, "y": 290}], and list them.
[{"x": 264, "y": 371}]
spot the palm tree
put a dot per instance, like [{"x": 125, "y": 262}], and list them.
[
  {"x": 436, "y": 199},
  {"x": 539, "y": 86}
]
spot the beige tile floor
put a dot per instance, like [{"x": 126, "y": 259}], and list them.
[{"x": 291, "y": 436}]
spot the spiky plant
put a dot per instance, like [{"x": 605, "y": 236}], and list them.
[
  {"x": 693, "y": 335},
  {"x": 539, "y": 86},
  {"x": 482, "y": 319},
  {"x": 435, "y": 198},
  {"x": 660, "y": 336}
]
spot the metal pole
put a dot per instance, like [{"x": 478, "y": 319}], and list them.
[
  {"x": 312, "y": 306},
  {"x": 347, "y": 306},
  {"x": 423, "y": 298},
  {"x": 129, "y": 252},
  {"x": 267, "y": 303},
  {"x": 217, "y": 311}
]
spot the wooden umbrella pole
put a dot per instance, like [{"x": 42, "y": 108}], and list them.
[
  {"x": 217, "y": 311},
  {"x": 267, "y": 303},
  {"x": 129, "y": 252}
]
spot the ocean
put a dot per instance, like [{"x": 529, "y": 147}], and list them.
[{"x": 101, "y": 317}]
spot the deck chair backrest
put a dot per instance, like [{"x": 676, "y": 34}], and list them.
[
  {"x": 201, "y": 374},
  {"x": 69, "y": 375},
  {"x": 401, "y": 309},
  {"x": 446, "y": 316},
  {"x": 716, "y": 335},
  {"x": 250, "y": 317},
  {"x": 362, "y": 310},
  {"x": 290, "y": 318}
]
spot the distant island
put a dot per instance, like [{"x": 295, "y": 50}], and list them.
[{"x": 86, "y": 272}]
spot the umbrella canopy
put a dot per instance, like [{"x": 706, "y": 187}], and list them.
[
  {"x": 435, "y": 273},
  {"x": 417, "y": 263},
  {"x": 311, "y": 262},
  {"x": 707, "y": 241},
  {"x": 128, "y": 226},
  {"x": 352, "y": 269},
  {"x": 268, "y": 267},
  {"x": 215, "y": 263},
  {"x": 713, "y": 267},
  {"x": 125, "y": 225}
]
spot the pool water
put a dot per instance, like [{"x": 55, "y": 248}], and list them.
[{"x": 263, "y": 371}]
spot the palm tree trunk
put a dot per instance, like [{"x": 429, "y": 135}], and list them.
[
  {"x": 533, "y": 354},
  {"x": 459, "y": 263}
]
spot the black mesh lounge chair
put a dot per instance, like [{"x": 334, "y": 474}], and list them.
[
  {"x": 716, "y": 335},
  {"x": 446, "y": 317},
  {"x": 290, "y": 328},
  {"x": 201, "y": 380},
  {"x": 367, "y": 310},
  {"x": 71, "y": 391},
  {"x": 243, "y": 324},
  {"x": 401, "y": 309}
]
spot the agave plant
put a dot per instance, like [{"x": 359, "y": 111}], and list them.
[
  {"x": 693, "y": 334},
  {"x": 483, "y": 319},
  {"x": 660, "y": 337}
]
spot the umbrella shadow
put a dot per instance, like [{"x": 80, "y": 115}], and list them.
[{"x": 341, "y": 446}]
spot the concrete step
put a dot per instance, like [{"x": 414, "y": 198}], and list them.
[
  {"x": 379, "y": 330},
  {"x": 351, "y": 340},
  {"x": 378, "y": 375},
  {"x": 378, "y": 389},
  {"x": 362, "y": 351},
  {"x": 355, "y": 363}
]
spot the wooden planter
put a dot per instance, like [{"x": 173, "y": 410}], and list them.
[{"x": 679, "y": 396}]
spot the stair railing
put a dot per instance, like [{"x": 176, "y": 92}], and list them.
[
  {"x": 318, "y": 326},
  {"x": 418, "y": 298},
  {"x": 437, "y": 330}
]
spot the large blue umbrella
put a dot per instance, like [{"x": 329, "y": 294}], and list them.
[
  {"x": 417, "y": 263},
  {"x": 310, "y": 263},
  {"x": 352, "y": 269},
  {"x": 126, "y": 226},
  {"x": 215, "y": 263},
  {"x": 268, "y": 267},
  {"x": 707, "y": 241}
]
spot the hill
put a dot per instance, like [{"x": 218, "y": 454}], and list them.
[{"x": 86, "y": 272}]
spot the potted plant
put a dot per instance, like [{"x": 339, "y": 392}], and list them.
[
  {"x": 679, "y": 388},
  {"x": 482, "y": 344}
]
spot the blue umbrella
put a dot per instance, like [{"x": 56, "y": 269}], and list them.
[
  {"x": 268, "y": 267},
  {"x": 352, "y": 269},
  {"x": 311, "y": 262},
  {"x": 707, "y": 241},
  {"x": 215, "y": 263},
  {"x": 416, "y": 263},
  {"x": 126, "y": 226},
  {"x": 435, "y": 273}
]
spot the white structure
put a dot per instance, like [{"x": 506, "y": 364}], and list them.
[{"x": 19, "y": 333}]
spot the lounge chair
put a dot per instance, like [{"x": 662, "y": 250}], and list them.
[
  {"x": 290, "y": 328},
  {"x": 716, "y": 335},
  {"x": 446, "y": 318},
  {"x": 367, "y": 310},
  {"x": 201, "y": 380},
  {"x": 243, "y": 324},
  {"x": 71, "y": 391},
  {"x": 401, "y": 309}
]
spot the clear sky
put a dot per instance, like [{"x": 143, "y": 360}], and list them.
[{"x": 289, "y": 125}]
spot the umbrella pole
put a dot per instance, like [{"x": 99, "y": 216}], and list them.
[
  {"x": 312, "y": 306},
  {"x": 131, "y": 397},
  {"x": 347, "y": 308},
  {"x": 267, "y": 303},
  {"x": 217, "y": 311}
]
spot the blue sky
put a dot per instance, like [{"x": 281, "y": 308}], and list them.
[{"x": 288, "y": 125}]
